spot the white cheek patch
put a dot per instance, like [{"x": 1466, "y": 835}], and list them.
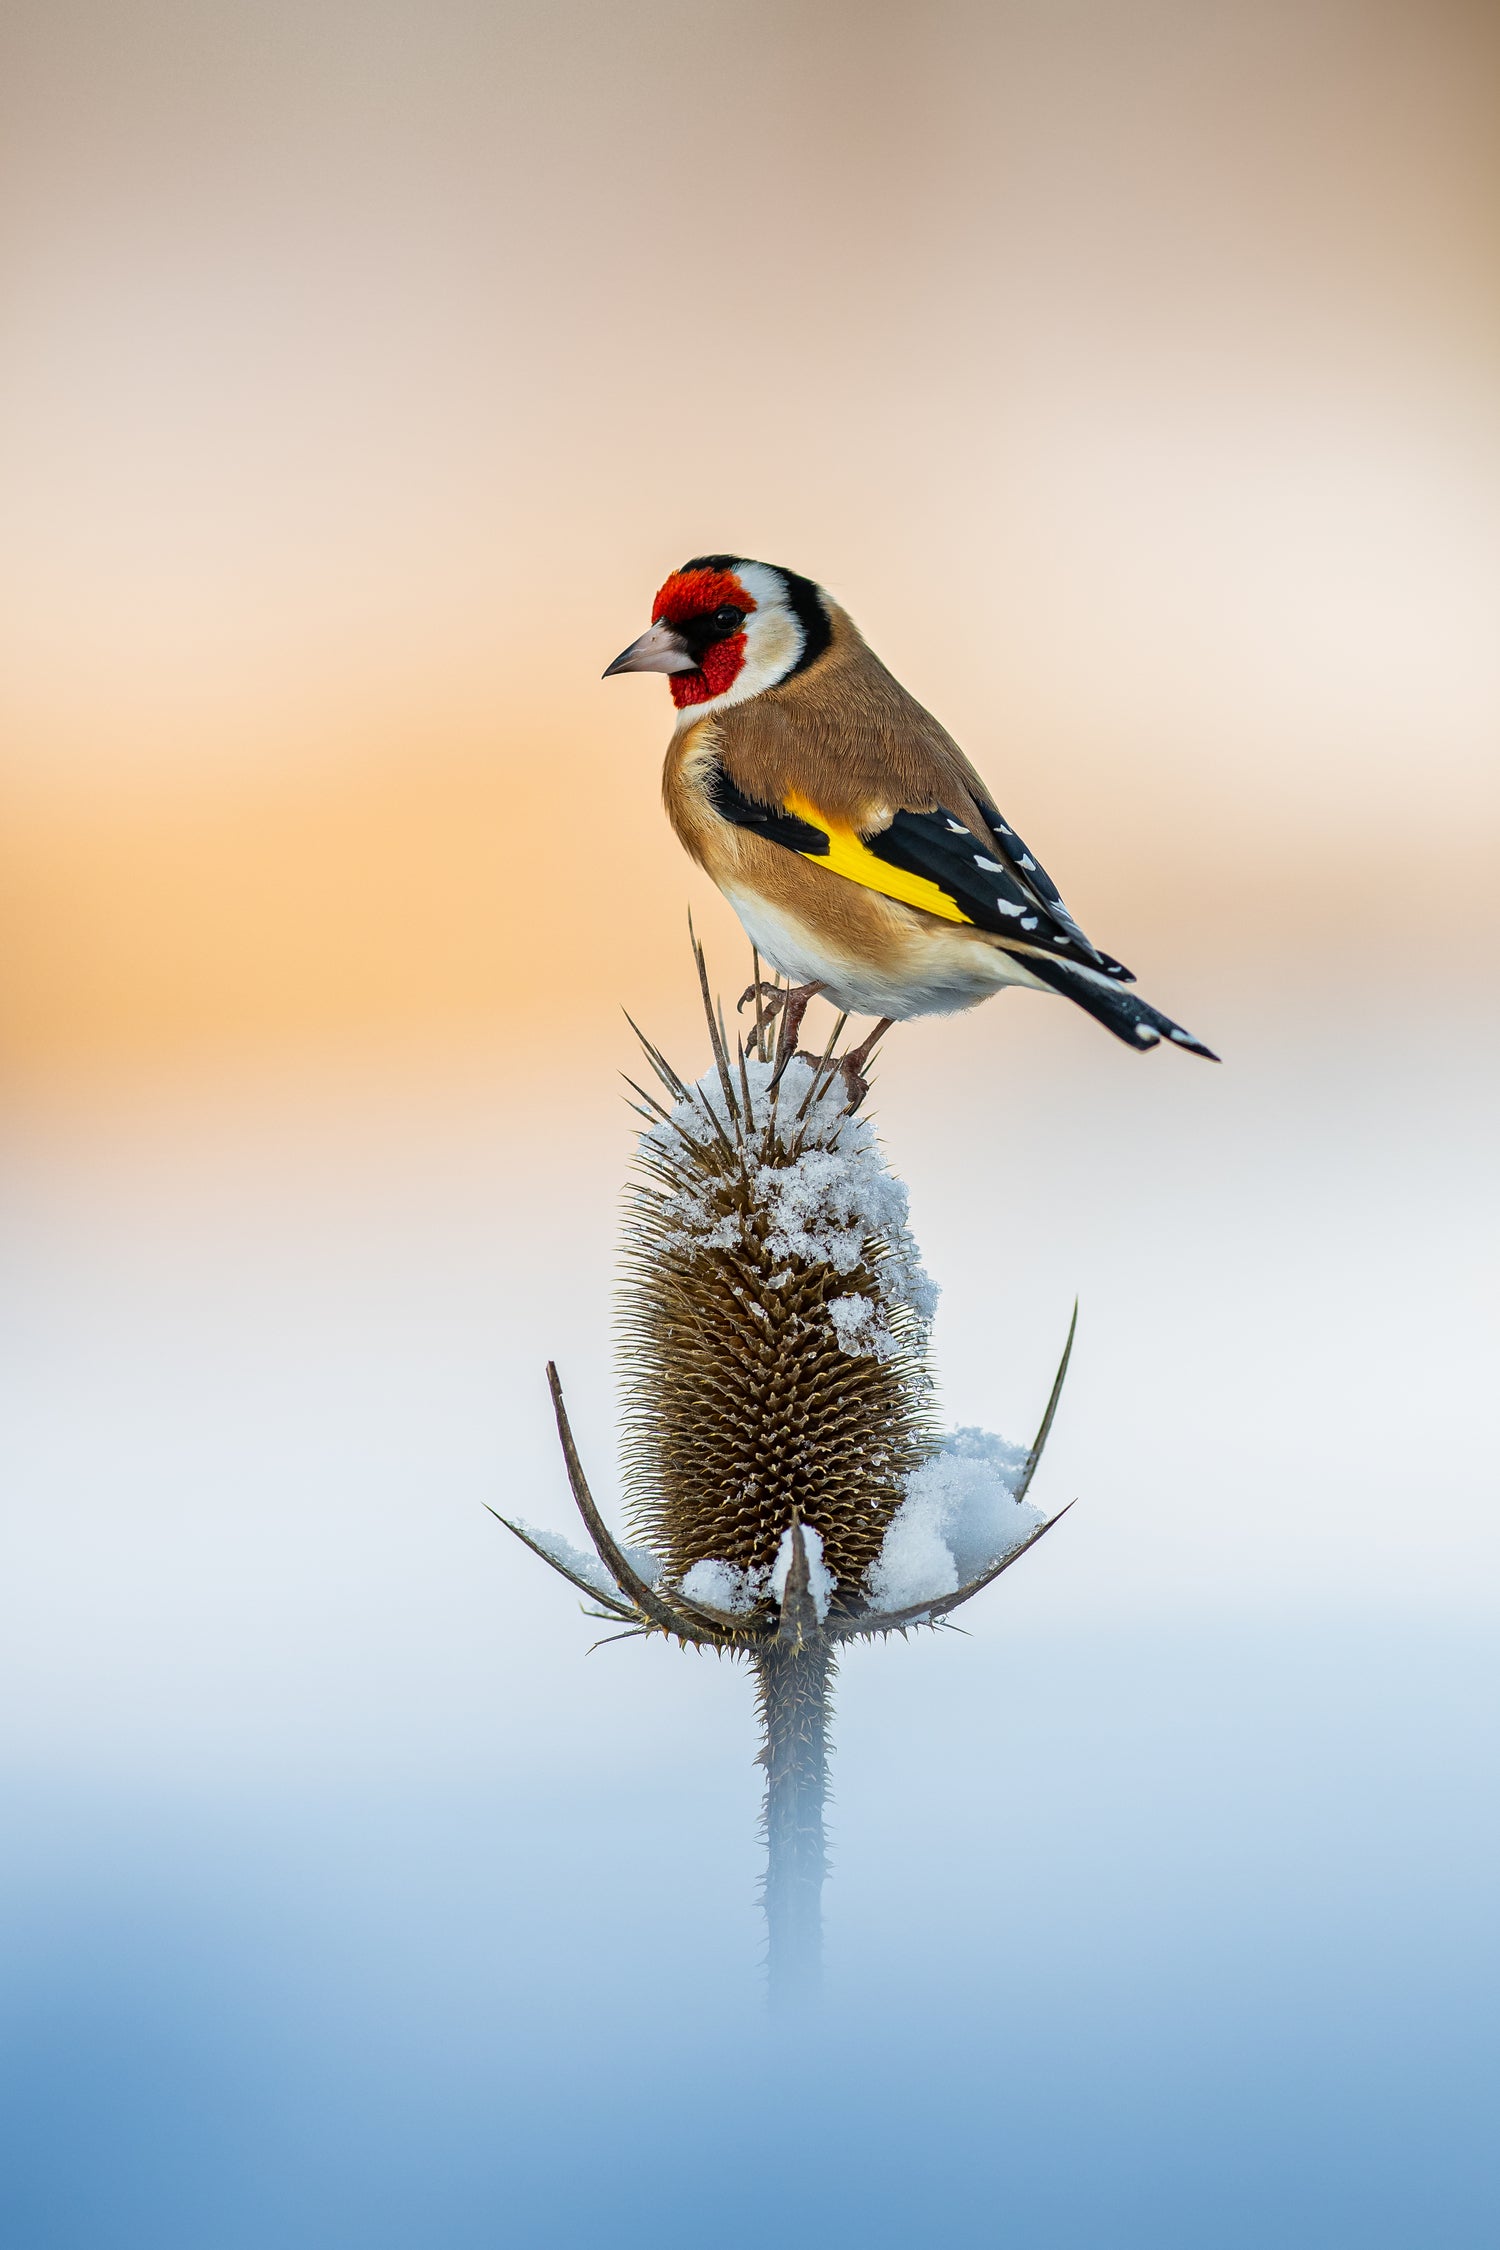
[
  {"x": 774, "y": 640},
  {"x": 765, "y": 586}
]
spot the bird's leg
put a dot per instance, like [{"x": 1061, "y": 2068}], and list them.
[
  {"x": 768, "y": 999},
  {"x": 791, "y": 1003},
  {"x": 795, "y": 1003},
  {"x": 853, "y": 1063}
]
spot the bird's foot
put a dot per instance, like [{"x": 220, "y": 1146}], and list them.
[
  {"x": 788, "y": 1001},
  {"x": 770, "y": 997},
  {"x": 852, "y": 1065}
]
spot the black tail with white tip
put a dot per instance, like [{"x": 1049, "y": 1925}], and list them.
[{"x": 1118, "y": 1009}]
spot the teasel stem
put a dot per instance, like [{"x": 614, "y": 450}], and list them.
[
  {"x": 795, "y": 1702},
  {"x": 794, "y": 1680}
]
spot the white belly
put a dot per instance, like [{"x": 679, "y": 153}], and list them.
[{"x": 946, "y": 966}]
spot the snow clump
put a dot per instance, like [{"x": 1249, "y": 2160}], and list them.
[
  {"x": 723, "y": 1586},
  {"x": 959, "y": 1517}
]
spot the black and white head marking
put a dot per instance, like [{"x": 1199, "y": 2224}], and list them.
[{"x": 787, "y": 630}]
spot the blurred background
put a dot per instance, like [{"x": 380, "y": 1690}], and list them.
[{"x": 1129, "y": 369}]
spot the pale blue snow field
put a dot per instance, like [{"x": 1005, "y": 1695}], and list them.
[{"x": 350, "y": 1905}]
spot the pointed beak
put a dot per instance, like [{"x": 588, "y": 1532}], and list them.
[{"x": 660, "y": 650}]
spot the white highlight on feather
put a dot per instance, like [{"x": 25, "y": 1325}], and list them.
[
  {"x": 1148, "y": 1032},
  {"x": 990, "y": 866}
]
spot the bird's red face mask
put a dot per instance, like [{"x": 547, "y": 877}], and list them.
[{"x": 697, "y": 635}]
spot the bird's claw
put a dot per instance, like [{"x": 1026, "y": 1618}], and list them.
[
  {"x": 856, "y": 1085},
  {"x": 771, "y": 997}
]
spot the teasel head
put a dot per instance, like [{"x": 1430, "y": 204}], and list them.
[{"x": 774, "y": 1325}]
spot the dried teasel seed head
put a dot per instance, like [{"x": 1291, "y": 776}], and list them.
[{"x": 774, "y": 1332}]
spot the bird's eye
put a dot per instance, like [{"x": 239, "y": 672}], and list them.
[{"x": 729, "y": 619}]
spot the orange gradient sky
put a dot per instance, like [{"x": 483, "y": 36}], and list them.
[{"x": 1130, "y": 372}]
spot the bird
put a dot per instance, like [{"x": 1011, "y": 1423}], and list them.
[{"x": 862, "y": 852}]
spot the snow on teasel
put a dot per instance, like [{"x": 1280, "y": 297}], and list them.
[
  {"x": 959, "y": 1518},
  {"x": 814, "y": 1186},
  {"x": 583, "y": 1566},
  {"x": 737, "y": 1592}
]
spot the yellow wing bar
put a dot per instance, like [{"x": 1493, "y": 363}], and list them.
[{"x": 846, "y": 855}]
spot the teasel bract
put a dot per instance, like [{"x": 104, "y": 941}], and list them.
[{"x": 787, "y": 1485}]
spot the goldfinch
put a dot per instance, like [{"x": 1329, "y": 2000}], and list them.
[{"x": 859, "y": 848}]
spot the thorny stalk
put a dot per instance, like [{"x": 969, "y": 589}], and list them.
[{"x": 794, "y": 1704}]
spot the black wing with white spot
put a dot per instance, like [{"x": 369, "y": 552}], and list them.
[
  {"x": 1012, "y": 896},
  {"x": 1036, "y": 876}
]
